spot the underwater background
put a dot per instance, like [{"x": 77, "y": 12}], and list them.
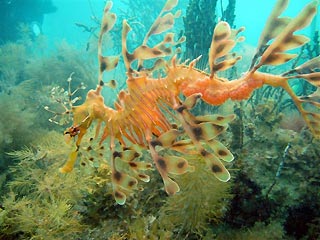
[{"x": 274, "y": 192}]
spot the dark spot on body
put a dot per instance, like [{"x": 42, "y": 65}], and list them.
[
  {"x": 315, "y": 78},
  {"x": 83, "y": 163},
  {"x": 101, "y": 154},
  {"x": 174, "y": 126},
  {"x": 101, "y": 83},
  {"x": 91, "y": 159},
  {"x": 220, "y": 118},
  {"x": 155, "y": 143},
  {"x": 117, "y": 176},
  {"x": 102, "y": 147},
  {"x": 218, "y": 37},
  {"x": 89, "y": 148},
  {"x": 285, "y": 41},
  {"x": 271, "y": 58},
  {"x": 153, "y": 29},
  {"x": 222, "y": 153},
  {"x": 130, "y": 57},
  {"x": 168, "y": 39},
  {"x": 313, "y": 123},
  {"x": 181, "y": 164},
  {"x": 167, "y": 51},
  {"x": 219, "y": 49},
  {"x": 216, "y": 168},
  {"x": 197, "y": 131},
  {"x": 136, "y": 155},
  {"x": 168, "y": 22},
  {"x": 113, "y": 83},
  {"x": 117, "y": 154},
  {"x": 133, "y": 164},
  {"x": 103, "y": 66},
  {"x": 105, "y": 27},
  {"x": 180, "y": 109},
  {"x": 218, "y": 66},
  {"x": 156, "y": 52},
  {"x": 142, "y": 176},
  {"x": 118, "y": 194},
  {"x": 162, "y": 164},
  {"x": 131, "y": 183},
  {"x": 204, "y": 153}
]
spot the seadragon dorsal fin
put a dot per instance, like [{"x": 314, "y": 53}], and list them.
[
  {"x": 163, "y": 22},
  {"x": 106, "y": 63},
  {"x": 223, "y": 41}
]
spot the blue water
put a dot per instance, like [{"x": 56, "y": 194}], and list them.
[{"x": 249, "y": 13}]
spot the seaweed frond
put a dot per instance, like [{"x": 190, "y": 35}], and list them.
[
  {"x": 204, "y": 200},
  {"x": 42, "y": 203}
]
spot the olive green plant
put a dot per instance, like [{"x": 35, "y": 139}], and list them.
[{"x": 42, "y": 203}]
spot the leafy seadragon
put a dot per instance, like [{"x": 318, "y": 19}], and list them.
[{"x": 140, "y": 116}]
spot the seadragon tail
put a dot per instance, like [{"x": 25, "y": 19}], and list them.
[
  {"x": 281, "y": 30},
  {"x": 309, "y": 106}
]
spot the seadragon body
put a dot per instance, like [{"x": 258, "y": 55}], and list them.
[{"x": 141, "y": 113}]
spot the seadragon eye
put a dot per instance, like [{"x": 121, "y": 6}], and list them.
[{"x": 72, "y": 131}]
